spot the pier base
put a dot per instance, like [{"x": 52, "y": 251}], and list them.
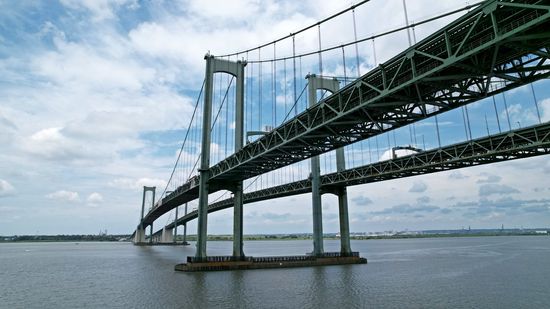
[{"x": 213, "y": 263}]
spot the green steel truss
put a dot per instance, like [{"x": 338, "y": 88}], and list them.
[
  {"x": 518, "y": 144},
  {"x": 498, "y": 46}
]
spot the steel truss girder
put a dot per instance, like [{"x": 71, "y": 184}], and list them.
[
  {"x": 518, "y": 144},
  {"x": 455, "y": 66}
]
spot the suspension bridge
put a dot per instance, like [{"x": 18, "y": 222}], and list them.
[{"x": 301, "y": 114}]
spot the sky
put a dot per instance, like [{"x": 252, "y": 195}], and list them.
[{"x": 96, "y": 95}]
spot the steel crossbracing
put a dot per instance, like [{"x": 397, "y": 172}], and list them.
[
  {"x": 498, "y": 46},
  {"x": 518, "y": 144}
]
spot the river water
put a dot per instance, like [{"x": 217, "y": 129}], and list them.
[{"x": 478, "y": 272}]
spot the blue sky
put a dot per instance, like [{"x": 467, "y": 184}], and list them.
[{"x": 95, "y": 97}]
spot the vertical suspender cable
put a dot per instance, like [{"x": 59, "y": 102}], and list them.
[
  {"x": 285, "y": 86},
  {"x": 304, "y": 164},
  {"x": 464, "y": 121},
  {"x": 389, "y": 144},
  {"x": 414, "y": 134},
  {"x": 374, "y": 53},
  {"x": 259, "y": 91},
  {"x": 294, "y": 69},
  {"x": 246, "y": 98},
  {"x": 356, "y": 47},
  {"x": 251, "y": 99},
  {"x": 260, "y": 98},
  {"x": 407, "y": 23},
  {"x": 275, "y": 84},
  {"x": 227, "y": 121},
  {"x": 423, "y": 142},
  {"x": 320, "y": 49},
  {"x": 414, "y": 34},
  {"x": 275, "y": 94},
  {"x": 437, "y": 130},
  {"x": 535, "y": 100},
  {"x": 507, "y": 112},
  {"x": 370, "y": 151},
  {"x": 468, "y": 121},
  {"x": 377, "y": 148},
  {"x": 344, "y": 64},
  {"x": 496, "y": 114},
  {"x": 301, "y": 86},
  {"x": 487, "y": 125}
]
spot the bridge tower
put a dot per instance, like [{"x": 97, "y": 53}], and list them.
[
  {"x": 236, "y": 69},
  {"x": 318, "y": 83},
  {"x": 140, "y": 232}
]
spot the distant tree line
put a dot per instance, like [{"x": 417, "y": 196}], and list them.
[{"x": 64, "y": 238}]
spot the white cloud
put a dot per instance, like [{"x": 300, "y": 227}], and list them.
[
  {"x": 94, "y": 198},
  {"x": 65, "y": 196},
  {"x": 6, "y": 188},
  {"x": 138, "y": 184},
  {"x": 100, "y": 9},
  {"x": 50, "y": 144},
  {"x": 79, "y": 65}
]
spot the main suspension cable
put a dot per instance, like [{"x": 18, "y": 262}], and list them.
[
  {"x": 301, "y": 30},
  {"x": 374, "y": 36}
]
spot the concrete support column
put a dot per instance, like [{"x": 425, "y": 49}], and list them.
[
  {"x": 142, "y": 209},
  {"x": 205, "y": 160},
  {"x": 238, "y": 222},
  {"x": 239, "y": 141},
  {"x": 139, "y": 237},
  {"x": 316, "y": 206},
  {"x": 315, "y": 83},
  {"x": 176, "y": 225},
  {"x": 154, "y": 189},
  {"x": 167, "y": 236},
  {"x": 185, "y": 227},
  {"x": 345, "y": 246}
]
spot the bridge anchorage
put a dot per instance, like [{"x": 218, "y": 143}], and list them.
[{"x": 497, "y": 46}]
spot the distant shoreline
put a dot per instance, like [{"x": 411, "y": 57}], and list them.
[{"x": 271, "y": 237}]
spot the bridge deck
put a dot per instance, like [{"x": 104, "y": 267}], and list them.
[{"x": 522, "y": 143}]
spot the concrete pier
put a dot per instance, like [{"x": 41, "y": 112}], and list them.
[
  {"x": 139, "y": 237},
  {"x": 167, "y": 236}
]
